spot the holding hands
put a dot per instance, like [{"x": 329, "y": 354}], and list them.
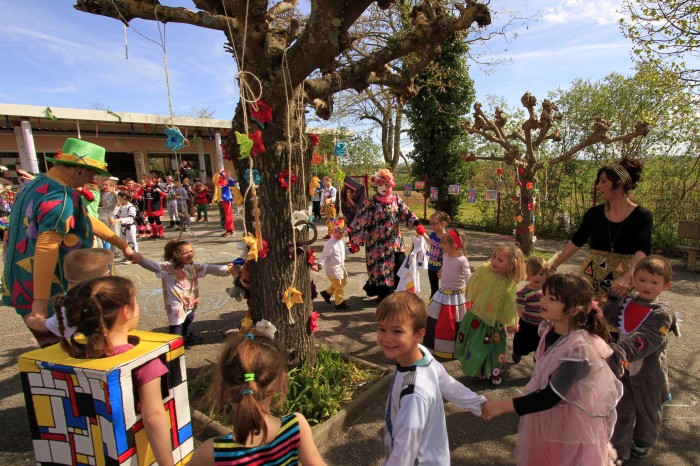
[{"x": 494, "y": 408}]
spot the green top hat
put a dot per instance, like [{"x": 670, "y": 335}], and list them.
[{"x": 82, "y": 153}]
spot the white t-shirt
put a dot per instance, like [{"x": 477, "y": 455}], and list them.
[{"x": 414, "y": 421}]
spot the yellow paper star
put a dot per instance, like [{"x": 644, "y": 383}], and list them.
[
  {"x": 252, "y": 244},
  {"x": 291, "y": 297}
]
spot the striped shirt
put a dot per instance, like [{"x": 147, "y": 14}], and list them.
[
  {"x": 282, "y": 451},
  {"x": 528, "y": 301}
]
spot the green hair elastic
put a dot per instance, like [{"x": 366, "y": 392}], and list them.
[
  {"x": 250, "y": 336},
  {"x": 249, "y": 377}
]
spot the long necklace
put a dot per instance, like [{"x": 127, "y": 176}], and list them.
[{"x": 613, "y": 238}]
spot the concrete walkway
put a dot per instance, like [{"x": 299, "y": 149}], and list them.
[{"x": 472, "y": 440}]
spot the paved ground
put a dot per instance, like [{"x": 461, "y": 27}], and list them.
[{"x": 472, "y": 440}]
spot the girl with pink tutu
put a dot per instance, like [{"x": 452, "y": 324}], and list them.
[{"x": 568, "y": 410}]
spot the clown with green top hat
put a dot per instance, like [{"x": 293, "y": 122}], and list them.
[{"x": 49, "y": 219}]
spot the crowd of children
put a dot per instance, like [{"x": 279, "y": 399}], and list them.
[{"x": 595, "y": 396}]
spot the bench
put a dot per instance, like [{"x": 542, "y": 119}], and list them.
[{"x": 688, "y": 229}]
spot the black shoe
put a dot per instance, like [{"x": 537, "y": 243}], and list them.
[
  {"x": 639, "y": 452},
  {"x": 342, "y": 306},
  {"x": 192, "y": 340},
  {"x": 326, "y": 296},
  {"x": 516, "y": 358}
]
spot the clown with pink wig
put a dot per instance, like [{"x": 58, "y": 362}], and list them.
[{"x": 377, "y": 228}]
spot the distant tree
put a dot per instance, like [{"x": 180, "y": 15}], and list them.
[
  {"x": 524, "y": 148},
  {"x": 363, "y": 155},
  {"x": 203, "y": 112},
  {"x": 666, "y": 33},
  {"x": 435, "y": 115}
]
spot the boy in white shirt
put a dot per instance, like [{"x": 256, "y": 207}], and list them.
[
  {"x": 126, "y": 219},
  {"x": 415, "y": 428},
  {"x": 333, "y": 257}
]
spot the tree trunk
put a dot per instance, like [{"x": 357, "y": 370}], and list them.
[
  {"x": 525, "y": 227},
  {"x": 267, "y": 288}
]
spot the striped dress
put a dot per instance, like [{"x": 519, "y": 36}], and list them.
[{"x": 282, "y": 451}]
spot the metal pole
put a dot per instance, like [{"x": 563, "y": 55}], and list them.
[{"x": 219, "y": 152}]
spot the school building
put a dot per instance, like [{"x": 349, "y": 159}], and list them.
[{"x": 135, "y": 142}]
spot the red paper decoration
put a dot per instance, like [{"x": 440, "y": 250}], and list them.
[
  {"x": 316, "y": 158},
  {"x": 261, "y": 112},
  {"x": 287, "y": 179},
  {"x": 315, "y": 141},
  {"x": 258, "y": 146},
  {"x": 499, "y": 171},
  {"x": 521, "y": 171}
]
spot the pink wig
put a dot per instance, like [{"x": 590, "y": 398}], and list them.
[{"x": 384, "y": 176}]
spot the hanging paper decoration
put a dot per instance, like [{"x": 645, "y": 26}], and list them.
[
  {"x": 263, "y": 249},
  {"x": 313, "y": 325},
  {"x": 519, "y": 218},
  {"x": 252, "y": 243},
  {"x": 258, "y": 146},
  {"x": 530, "y": 205},
  {"x": 49, "y": 114},
  {"x": 245, "y": 144},
  {"x": 521, "y": 171},
  {"x": 315, "y": 141},
  {"x": 316, "y": 158},
  {"x": 499, "y": 171},
  {"x": 299, "y": 219},
  {"x": 469, "y": 158},
  {"x": 260, "y": 112},
  {"x": 118, "y": 117},
  {"x": 310, "y": 258},
  {"x": 287, "y": 179},
  {"x": 175, "y": 140},
  {"x": 528, "y": 186},
  {"x": 339, "y": 149},
  {"x": 294, "y": 252},
  {"x": 291, "y": 297},
  {"x": 257, "y": 179}
]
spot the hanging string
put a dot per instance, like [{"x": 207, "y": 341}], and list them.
[{"x": 126, "y": 44}]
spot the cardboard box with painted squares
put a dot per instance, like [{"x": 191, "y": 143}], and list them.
[{"x": 83, "y": 411}]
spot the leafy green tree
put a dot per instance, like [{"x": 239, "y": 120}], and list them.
[
  {"x": 665, "y": 33},
  {"x": 363, "y": 155},
  {"x": 435, "y": 115}
]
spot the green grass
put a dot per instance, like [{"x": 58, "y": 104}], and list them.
[{"x": 317, "y": 392}]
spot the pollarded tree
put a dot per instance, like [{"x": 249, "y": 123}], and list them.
[
  {"x": 288, "y": 58},
  {"x": 522, "y": 150}
]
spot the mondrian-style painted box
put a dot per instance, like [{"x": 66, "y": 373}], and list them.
[{"x": 83, "y": 411}]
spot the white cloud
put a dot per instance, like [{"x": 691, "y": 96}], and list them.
[{"x": 602, "y": 12}]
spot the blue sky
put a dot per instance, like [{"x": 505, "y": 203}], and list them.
[{"x": 56, "y": 56}]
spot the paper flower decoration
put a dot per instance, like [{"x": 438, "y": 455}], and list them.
[
  {"x": 175, "y": 140},
  {"x": 316, "y": 158},
  {"x": 287, "y": 179},
  {"x": 299, "y": 216},
  {"x": 310, "y": 258},
  {"x": 257, "y": 179},
  {"x": 224, "y": 152},
  {"x": 528, "y": 185},
  {"x": 339, "y": 149},
  {"x": 252, "y": 243},
  {"x": 291, "y": 297},
  {"x": 260, "y": 112},
  {"x": 313, "y": 325},
  {"x": 521, "y": 171},
  {"x": 262, "y": 253},
  {"x": 499, "y": 171},
  {"x": 244, "y": 143},
  {"x": 530, "y": 205},
  {"x": 315, "y": 141},
  {"x": 258, "y": 146},
  {"x": 291, "y": 249},
  {"x": 266, "y": 328}
]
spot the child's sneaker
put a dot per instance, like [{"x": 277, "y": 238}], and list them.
[
  {"x": 342, "y": 306},
  {"x": 639, "y": 452},
  {"x": 516, "y": 358},
  {"x": 326, "y": 296}
]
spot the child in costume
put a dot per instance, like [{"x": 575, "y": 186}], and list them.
[
  {"x": 126, "y": 219},
  {"x": 104, "y": 310},
  {"x": 415, "y": 428},
  {"x": 180, "y": 276},
  {"x": 481, "y": 341},
  {"x": 378, "y": 229},
  {"x": 409, "y": 273},
  {"x": 526, "y": 338},
  {"x": 251, "y": 378},
  {"x": 333, "y": 255},
  {"x": 328, "y": 197},
  {"x": 438, "y": 222},
  {"x": 201, "y": 201},
  {"x": 568, "y": 410},
  {"x": 225, "y": 184},
  {"x": 153, "y": 200},
  {"x": 448, "y": 306},
  {"x": 641, "y": 323}
]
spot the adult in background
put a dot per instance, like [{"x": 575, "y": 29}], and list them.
[
  {"x": 185, "y": 172},
  {"x": 619, "y": 231},
  {"x": 50, "y": 219},
  {"x": 377, "y": 227}
]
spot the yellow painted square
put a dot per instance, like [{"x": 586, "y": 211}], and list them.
[
  {"x": 44, "y": 413},
  {"x": 176, "y": 353},
  {"x": 81, "y": 458}
]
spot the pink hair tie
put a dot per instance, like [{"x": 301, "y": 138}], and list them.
[
  {"x": 596, "y": 307},
  {"x": 455, "y": 239}
]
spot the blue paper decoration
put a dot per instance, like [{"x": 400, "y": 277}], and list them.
[
  {"x": 339, "y": 149},
  {"x": 257, "y": 179},
  {"x": 176, "y": 140}
]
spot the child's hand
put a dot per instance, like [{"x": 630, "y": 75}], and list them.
[
  {"x": 492, "y": 409},
  {"x": 135, "y": 258},
  {"x": 512, "y": 328},
  {"x": 315, "y": 268},
  {"x": 112, "y": 221},
  {"x": 229, "y": 269}
]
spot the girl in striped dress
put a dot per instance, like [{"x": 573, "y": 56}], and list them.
[
  {"x": 448, "y": 305},
  {"x": 250, "y": 374}
]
